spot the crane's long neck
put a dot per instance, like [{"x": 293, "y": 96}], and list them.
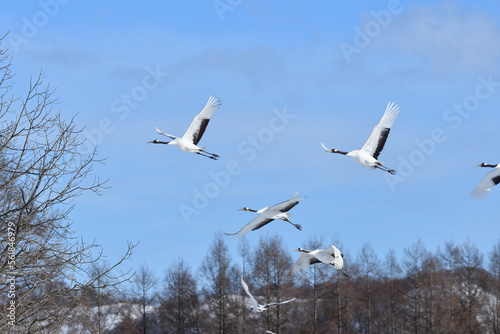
[
  {"x": 339, "y": 152},
  {"x": 252, "y": 210},
  {"x": 489, "y": 165},
  {"x": 159, "y": 142}
]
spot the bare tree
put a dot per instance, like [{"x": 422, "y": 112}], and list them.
[
  {"x": 367, "y": 262},
  {"x": 391, "y": 274},
  {"x": 246, "y": 259},
  {"x": 494, "y": 303},
  {"x": 414, "y": 258},
  {"x": 271, "y": 273},
  {"x": 470, "y": 292},
  {"x": 179, "y": 301},
  {"x": 245, "y": 252},
  {"x": 97, "y": 311},
  {"x": 142, "y": 289},
  {"x": 238, "y": 306},
  {"x": 42, "y": 172},
  {"x": 216, "y": 269},
  {"x": 449, "y": 259},
  {"x": 346, "y": 295},
  {"x": 431, "y": 308}
]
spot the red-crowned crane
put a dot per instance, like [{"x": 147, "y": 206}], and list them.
[
  {"x": 490, "y": 180},
  {"x": 255, "y": 306},
  {"x": 367, "y": 156},
  {"x": 189, "y": 141},
  {"x": 268, "y": 214},
  {"x": 331, "y": 256}
]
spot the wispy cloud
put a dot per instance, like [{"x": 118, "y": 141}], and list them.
[
  {"x": 60, "y": 56},
  {"x": 257, "y": 66},
  {"x": 446, "y": 35}
]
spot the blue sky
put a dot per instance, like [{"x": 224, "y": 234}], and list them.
[{"x": 290, "y": 75}]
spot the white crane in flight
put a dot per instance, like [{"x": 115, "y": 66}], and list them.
[
  {"x": 255, "y": 306},
  {"x": 490, "y": 180},
  {"x": 189, "y": 141},
  {"x": 331, "y": 256},
  {"x": 367, "y": 156},
  {"x": 268, "y": 214}
]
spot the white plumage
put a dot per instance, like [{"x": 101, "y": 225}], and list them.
[
  {"x": 490, "y": 180},
  {"x": 367, "y": 156},
  {"x": 189, "y": 141},
  {"x": 255, "y": 306},
  {"x": 331, "y": 256},
  {"x": 268, "y": 214}
]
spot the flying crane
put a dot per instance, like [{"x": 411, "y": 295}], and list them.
[
  {"x": 490, "y": 180},
  {"x": 332, "y": 256},
  {"x": 255, "y": 306},
  {"x": 189, "y": 141},
  {"x": 367, "y": 156},
  {"x": 268, "y": 214}
]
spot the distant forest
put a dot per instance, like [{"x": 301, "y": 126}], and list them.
[{"x": 455, "y": 289}]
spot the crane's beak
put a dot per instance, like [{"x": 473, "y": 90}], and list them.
[
  {"x": 478, "y": 166},
  {"x": 295, "y": 250}
]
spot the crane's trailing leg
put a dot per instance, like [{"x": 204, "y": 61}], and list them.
[
  {"x": 297, "y": 226},
  {"x": 212, "y": 155},
  {"x": 208, "y": 155},
  {"x": 388, "y": 170}
]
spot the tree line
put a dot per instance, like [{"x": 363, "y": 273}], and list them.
[{"x": 451, "y": 290}]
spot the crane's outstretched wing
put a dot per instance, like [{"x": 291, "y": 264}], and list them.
[
  {"x": 283, "y": 302},
  {"x": 252, "y": 298},
  {"x": 200, "y": 121},
  {"x": 338, "y": 259},
  {"x": 287, "y": 205},
  {"x": 303, "y": 263},
  {"x": 165, "y": 134},
  {"x": 255, "y": 224},
  {"x": 376, "y": 141},
  {"x": 325, "y": 256},
  {"x": 487, "y": 183},
  {"x": 325, "y": 148}
]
